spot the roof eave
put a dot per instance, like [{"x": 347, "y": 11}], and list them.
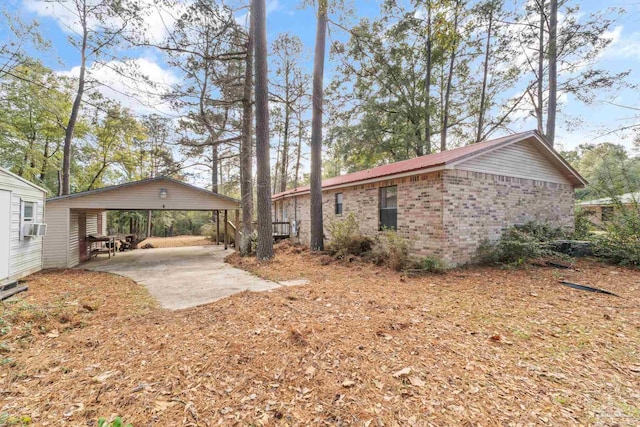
[
  {"x": 142, "y": 181},
  {"x": 26, "y": 181}
]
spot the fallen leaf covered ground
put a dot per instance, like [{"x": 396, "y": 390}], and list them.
[
  {"x": 359, "y": 345},
  {"x": 177, "y": 241}
]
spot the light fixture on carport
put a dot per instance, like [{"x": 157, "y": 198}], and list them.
[{"x": 163, "y": 193}]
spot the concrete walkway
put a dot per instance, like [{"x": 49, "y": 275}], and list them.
[{"x": 182, "y": 277}]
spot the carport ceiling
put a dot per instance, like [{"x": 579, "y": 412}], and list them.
[{"x": 161, "y": 193}]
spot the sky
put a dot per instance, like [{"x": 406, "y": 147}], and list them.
[{"x": 288, "y": 16}]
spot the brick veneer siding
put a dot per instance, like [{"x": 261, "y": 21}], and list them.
[
  {"x": 445, "y": 214},
  {"x": 481, "y": 206}
]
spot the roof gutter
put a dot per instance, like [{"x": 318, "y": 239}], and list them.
[{"x": 365, "y": 181}]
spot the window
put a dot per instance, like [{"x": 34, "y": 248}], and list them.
[
  {"x": 607, "y": 213},
  {"x": 28, "y": 212},
  {"x": 389, "y": 208},
  {"x": 338, "y": 203},
  {"x": 285, "y": 216},
  {"x": 27, "y": 217}
]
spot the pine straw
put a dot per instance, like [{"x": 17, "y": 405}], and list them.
[
  {"x": 483, "y": 347},
  {"x": 177, "y": 241}
]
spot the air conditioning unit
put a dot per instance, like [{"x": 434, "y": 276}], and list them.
[{"x": 33, "y": 230}]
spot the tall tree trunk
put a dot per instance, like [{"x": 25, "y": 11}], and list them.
[
  {"x": 540, "y": 69},
  {"x": 284, "y": 159},
  {"x": 75, "y": 109},
  {"x": 299, "y": 151},
  {"x": 220, "y": 178},
  {"x": 148, "y": 223},
  {"x": 45, "y": 161},
  {"x": 317, "y": 229},
  {"x": 214, "y": 168},
  {"x": 427, "y": 84},
  {"x": 274, "y": 188},
  {"x": 246, "y": 146},
  {"x": 447, "y": 93},
  {"x": 553, "y": 72},
  {"x": 264, "y": 250},
  {"x": 485, "y": 74}
]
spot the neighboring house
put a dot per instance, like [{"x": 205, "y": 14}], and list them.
[
  {"x": 72, "y": 218},
  {"x": 21, "y": 210},
  {"x": 603, "y": 210},
  {"x": 447, "y": 204}
]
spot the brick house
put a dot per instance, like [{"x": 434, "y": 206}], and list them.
[
  {"x": 601, "y": 211},
  {"x": 446, "y": 204}
]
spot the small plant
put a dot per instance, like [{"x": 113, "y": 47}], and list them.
[
  {"x": 520, "y": 243},
  {"x": 9, "y": 420},
  {"x": 392, "y": 250},
  {"x": 433, "y": 265},
  {"x": 346, "y": 238},
  {"x": 117, "y": 422}
]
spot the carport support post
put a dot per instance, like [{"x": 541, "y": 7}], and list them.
[
  {"x": 236, "y": 235},
  {"x": 226, "y": 231},
  {"x": 217, "y": 227}
]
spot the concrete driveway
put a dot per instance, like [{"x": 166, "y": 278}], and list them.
[{"x": 182, "y": 277}]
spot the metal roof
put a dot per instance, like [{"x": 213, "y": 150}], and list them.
[
  {"x": 142, "y": 181},
  {"x": 626, "y": 198},
  {"x": 438, "y": 160}
]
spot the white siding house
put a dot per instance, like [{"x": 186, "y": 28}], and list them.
[{"x": 21, "y": 202}]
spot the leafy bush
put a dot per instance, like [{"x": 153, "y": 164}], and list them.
[
  {"x": 346, "y": 238},
  {"x": 621, "y": 243},
  {"x": 522, "y": 242},
  {"x": 392, "y": 250},
  {"x": 433, "y": 265},
  {"x": 582, "y": 225}
]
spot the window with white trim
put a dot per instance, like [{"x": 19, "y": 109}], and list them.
[
  {"x": 27, "y": 215},
  {"x": 389, "y": 208},
  {"x": 338, "y": 203}
]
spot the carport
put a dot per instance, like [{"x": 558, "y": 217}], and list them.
[{"x": 70, "y": 219}]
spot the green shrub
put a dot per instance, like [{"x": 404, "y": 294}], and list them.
[
  {"x": 621, "y": 242},
  {"x": 392, "y": 250},
  {"x": 433, "y": 265},
  {"x": 346, "y": 238},
  {"x": 520, "y": 243},
  {"x": 583, "y": 225}
]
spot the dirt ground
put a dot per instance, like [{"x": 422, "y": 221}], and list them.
[
  {"x": 359, "y": 345},
  {"x": 177, "y": 241}
]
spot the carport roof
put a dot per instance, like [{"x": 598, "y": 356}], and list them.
[{"x": 128, "y": 185}]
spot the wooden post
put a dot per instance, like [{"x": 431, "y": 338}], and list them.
[
  {"x": 149, "y": 223},
  {"x": 217, "y": 227},
  {"x": 236, "y": 237},
  {"x": 226, "y": 231}
]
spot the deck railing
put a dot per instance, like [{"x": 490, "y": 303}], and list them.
[{"x": 281, "y": 229}]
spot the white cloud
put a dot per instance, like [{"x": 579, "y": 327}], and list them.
[
  {"x": 158, "y": 20},
  {"x": 272, "y": 6},
  {"x": 622, "y": 46},
  {"x": 118, "y": 81}
]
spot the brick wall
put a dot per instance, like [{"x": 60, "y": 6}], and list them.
[
  {"x": 447, "y": 214},
  {"x": 481, "y": 206},
  {"x": 419, "y": 210}
]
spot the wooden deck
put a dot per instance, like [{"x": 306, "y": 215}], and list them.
[{"x": 281, "y": 231}]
